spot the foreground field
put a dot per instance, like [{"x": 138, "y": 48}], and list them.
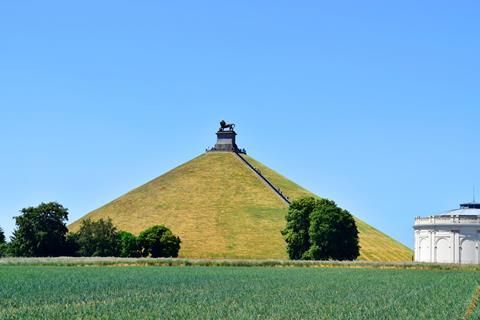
[{"x": 60, "y": 292}]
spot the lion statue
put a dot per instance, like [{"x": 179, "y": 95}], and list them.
[{"x": 224, "y": 125}]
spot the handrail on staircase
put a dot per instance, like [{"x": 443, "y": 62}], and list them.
[{"x": 257, "y": 171}]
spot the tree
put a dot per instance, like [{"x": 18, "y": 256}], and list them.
[
  {"x": 2, "y": 236},
  {"x": 318, "y": 229},
  {"x": 97, "y": 238},
  {"x": 297, "y": 228},
  {"x": 3, "y": 244},
  {"x": 128, "y": 245},
  {"x": 40, "y": 231},
  {"x": 71, "y": 247},
  {"x": 159, "y": 241},
  {"x": 333, "y": 234}
]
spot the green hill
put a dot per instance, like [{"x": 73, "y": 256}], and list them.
[{"x": 221, "y": 209}]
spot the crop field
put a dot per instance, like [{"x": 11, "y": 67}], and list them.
[{"x": 148, "y": 292}]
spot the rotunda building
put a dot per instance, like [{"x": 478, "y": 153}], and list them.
[{"x": 449, "y": 237}]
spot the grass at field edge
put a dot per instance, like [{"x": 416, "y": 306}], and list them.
[{"x": 125, "y": 262}]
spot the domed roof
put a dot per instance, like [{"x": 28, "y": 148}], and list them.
[{"x": 466, "y": 209}]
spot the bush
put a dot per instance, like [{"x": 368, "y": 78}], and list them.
[
  {"x": 317, "y": 229},
  {"x": 40, "y": 231},
  {"x": 71, "y": 246},
  {"x": 128, "y": 245},
  {"x": 101, "y": 238},
  {"x": 2, "y": 236},
  {"x": 3, "y": 250},
  {"x": 159, "y": 241},
  {"x": 96, "y": 239},
  {"x": 3, "y": 244}
]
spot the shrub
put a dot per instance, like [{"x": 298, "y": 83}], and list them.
[
  {"x": 159, "y": 241},
  {"x": 2, "y": 236},
  {"x": 71, "y": 246},
  {"x": 3, "y": 245},
  {"x": 128, "y": 245},
  {"x": 96, "y": 239}
]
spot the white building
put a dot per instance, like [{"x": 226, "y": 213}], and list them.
[{"x": 450, "y": 237}]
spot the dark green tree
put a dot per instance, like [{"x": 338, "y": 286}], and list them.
[
  {"x": 40, "y": 231},
  {"x": 128, "y": 245},
  {"x": 72, "y": 245},
  {"x": 3, "y": 244},
  {"x": 159, "y": 241},
  {"x": 318, "y": 229},
  {"x": 296, "y": 232},
  {"x": 333, "y": 234},
  {"x": 2, "y": 236},
  {"x": 97, "y": 239}
]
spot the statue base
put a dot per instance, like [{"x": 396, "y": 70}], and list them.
[{"x": 226, "y": 142}]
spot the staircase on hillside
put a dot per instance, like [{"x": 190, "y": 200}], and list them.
[
  {"x": 226, "y": 143},
  {"x": 264, "y": 179}
]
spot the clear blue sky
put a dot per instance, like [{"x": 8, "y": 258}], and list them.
[{"x": 373, "y": 104}]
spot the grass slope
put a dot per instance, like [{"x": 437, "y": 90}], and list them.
[
  {"x": 375, "y": 245},
  {"x": 220, "y": 209},
  {"x": 217, "y": 206}
]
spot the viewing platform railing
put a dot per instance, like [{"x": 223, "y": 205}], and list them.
[{"x": 454, "y": 219}]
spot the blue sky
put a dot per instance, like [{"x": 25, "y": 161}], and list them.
[{"x": 373, "y": 104}]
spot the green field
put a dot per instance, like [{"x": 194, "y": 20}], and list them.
[{"x": 59, "y": 292}]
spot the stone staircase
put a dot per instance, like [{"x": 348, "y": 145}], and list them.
[{"x": 277, "y": 191}]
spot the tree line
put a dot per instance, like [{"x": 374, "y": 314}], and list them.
[
  {"x": 316, "y": 229},
  {"x": 42, "y": 232}
]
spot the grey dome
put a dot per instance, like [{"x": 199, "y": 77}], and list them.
[{"x": 466, "y": 209}]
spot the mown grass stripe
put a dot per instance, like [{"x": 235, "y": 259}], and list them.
[{"x": 473, "y": 303}]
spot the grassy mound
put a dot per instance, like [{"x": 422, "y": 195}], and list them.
[{"x": 221, "y": 209}]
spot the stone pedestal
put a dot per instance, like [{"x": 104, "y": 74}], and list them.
[{"x": 226, "y": 141}]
